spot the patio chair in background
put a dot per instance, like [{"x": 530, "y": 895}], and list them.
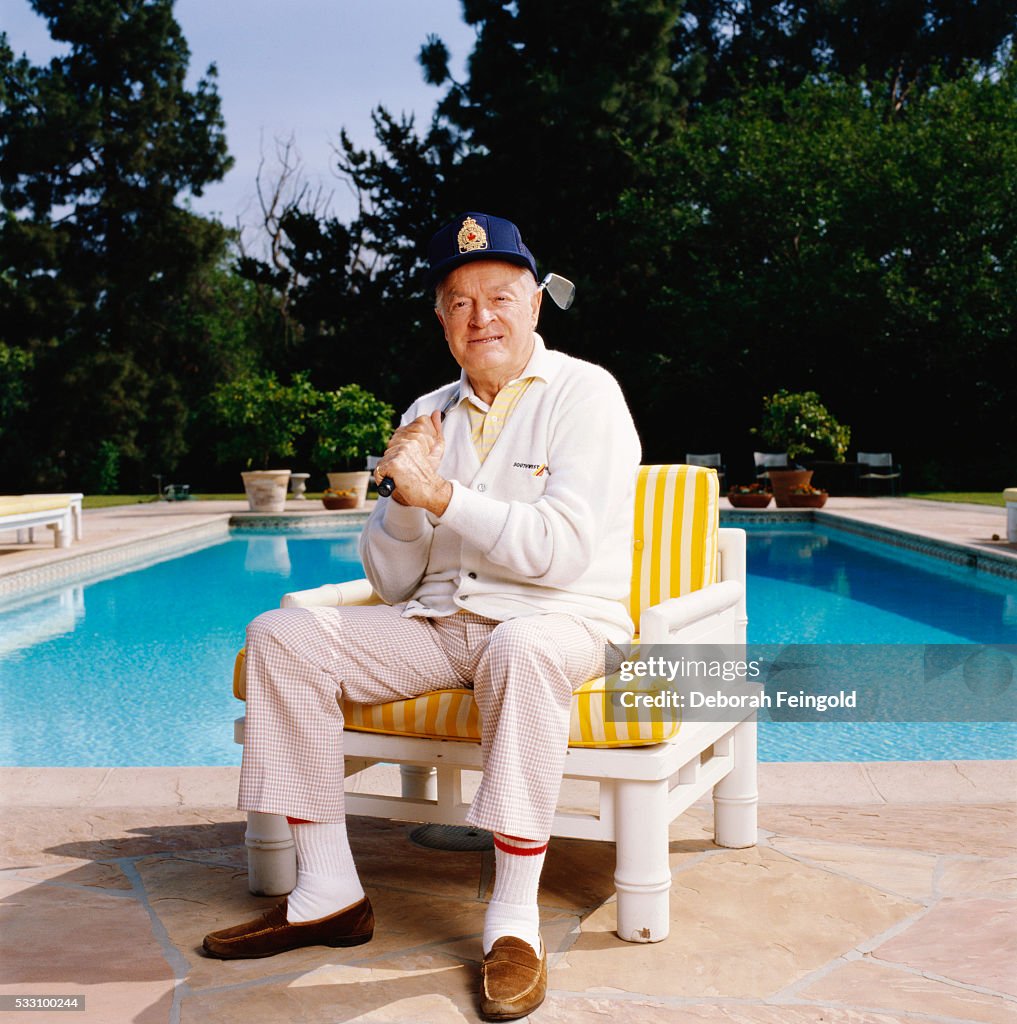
[
  {"x": 765, "y": 460},
  {"x": 688, "y": 586},
  {"x": 878, "y": 466},
  {"x": 712, "y": 460}
]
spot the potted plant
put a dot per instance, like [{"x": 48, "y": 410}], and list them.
[
  {"x": 333, "y": 498},
  {"x": 807, "y": 496},
  {"x": 349, "y": 425},
  {"x": 749, "y": 496},
  {"x": 261, "y": 418},
  {"x": 799, "y": 424}
]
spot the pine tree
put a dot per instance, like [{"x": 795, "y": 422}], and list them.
[{"x": 96, "y": 150}]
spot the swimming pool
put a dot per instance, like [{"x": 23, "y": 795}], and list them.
[{"x": 135, "y": 670}]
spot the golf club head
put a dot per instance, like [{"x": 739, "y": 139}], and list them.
[{"x": 561, "y": 289}]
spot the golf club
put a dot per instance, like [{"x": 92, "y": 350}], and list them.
[
  {"x": 561, "y": 289},
  {"x": 563, "y": 292}
]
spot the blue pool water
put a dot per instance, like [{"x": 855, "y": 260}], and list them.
[
  {"x": 135, "y": 670},
  {"x": 809, "y": 584}
]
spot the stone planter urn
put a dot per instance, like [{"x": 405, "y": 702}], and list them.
[
  {"x": 783, "y": 481},
  {"x": 266, "y": 489},
  {"x": 298, "y": 485},
  {"x": 357, "y": 481}
]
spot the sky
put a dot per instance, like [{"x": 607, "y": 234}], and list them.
[{"x": 304, "y": 68}]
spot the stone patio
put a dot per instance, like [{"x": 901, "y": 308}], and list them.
[{"x": 877, "y": 893}]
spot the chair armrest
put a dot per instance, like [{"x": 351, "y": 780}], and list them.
[
  {"x": 332, "y": 595},
  {"x": 693, "y": 617}
]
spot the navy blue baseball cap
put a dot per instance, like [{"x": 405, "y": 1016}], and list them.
[{"x": 476, "y": 236}]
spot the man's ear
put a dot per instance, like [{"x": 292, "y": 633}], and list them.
[
  {"x": 538, "y": 296},
  {"x": 441, "y": 319}
]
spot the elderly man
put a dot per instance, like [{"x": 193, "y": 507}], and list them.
[{"x": 504, "y": 554}]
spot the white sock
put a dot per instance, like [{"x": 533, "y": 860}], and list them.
[
  {"x": 513, "y": 908},
  {"x": 327, "y": 879}
]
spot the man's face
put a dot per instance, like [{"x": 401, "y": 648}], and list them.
[{"x": 489, "y": 311}]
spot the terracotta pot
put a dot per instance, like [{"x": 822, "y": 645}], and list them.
[
  {"x": 334, "y": 503},
  {"x": 783, "y": 481},
  {"x": 266, "y": 489},
  {"x": 357, "y": 481},
  {"x": 808, "y": 500},
  {"x": 749, "y": 500}
]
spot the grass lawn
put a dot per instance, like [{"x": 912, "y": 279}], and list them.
[{"x": 972, "y": 497}]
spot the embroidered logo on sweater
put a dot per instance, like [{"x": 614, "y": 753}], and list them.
[{"x": 537, "y": 470}]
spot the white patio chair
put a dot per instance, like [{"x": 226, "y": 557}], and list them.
[
  {"x": 878, "y": 466},
  {"x": 765, "y": 461},
  {"x": 688, "y": 586}
]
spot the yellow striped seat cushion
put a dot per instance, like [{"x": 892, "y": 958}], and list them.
[
  {"x": 674, "y": 552},
  {"x": 453, "y": 715}
]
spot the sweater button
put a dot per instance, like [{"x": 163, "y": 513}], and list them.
[
  {"x": 472, "y": 575},
  {"x": 481, "y": 487}
]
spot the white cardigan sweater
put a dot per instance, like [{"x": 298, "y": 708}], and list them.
[{"x": 514, "y": 540}]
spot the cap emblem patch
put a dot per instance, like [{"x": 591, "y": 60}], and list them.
[{"x": 471, "y": 236}]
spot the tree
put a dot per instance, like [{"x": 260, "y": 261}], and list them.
[
  {"x": 805, "y": 239},
  {"x": 97, "y": 148},
  {"x": 892, "y": 44}
]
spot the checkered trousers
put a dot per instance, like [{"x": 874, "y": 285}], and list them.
[{"x": 301, "y": 663}]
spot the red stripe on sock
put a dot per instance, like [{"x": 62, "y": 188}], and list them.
[{"x": 519, "y": 851}]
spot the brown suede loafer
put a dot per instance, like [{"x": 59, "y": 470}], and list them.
[
  {"x": 272, "y": 933},
  {"x": 514, "y": 979}
]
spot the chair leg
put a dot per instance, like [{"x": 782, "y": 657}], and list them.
[
  {"x": 642, "y": 873},
  {"x": 418, "y": 782},
  {"x": 736, "y": 796},
  {"x": 271, "y": 855}
]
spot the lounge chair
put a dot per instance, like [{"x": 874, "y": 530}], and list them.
[
  {"x": 878, "y": 466},
  {"x": 712, "y": 459},
  {"x": 59, "y": 512},
  {"x": 688, "y": 586}
]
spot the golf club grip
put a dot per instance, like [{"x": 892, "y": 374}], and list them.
[{"x": 387, "y": 485}]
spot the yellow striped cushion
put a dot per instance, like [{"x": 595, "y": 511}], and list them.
[
  {"x": 453, "y": 715},
  {"x": 675, "y": 552},
  {"x": 675, "y": 545}
]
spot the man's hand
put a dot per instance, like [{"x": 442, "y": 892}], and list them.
[{"x": 412, "y": 458}]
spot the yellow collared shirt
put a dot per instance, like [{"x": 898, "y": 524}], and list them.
[{"x": 488, "y": 421}]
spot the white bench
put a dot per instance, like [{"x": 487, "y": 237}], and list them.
[{"x": 61, "y": 513}]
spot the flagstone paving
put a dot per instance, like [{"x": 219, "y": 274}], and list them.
[
  {"x": 877, "y": 893},
  {"x": 858, "y": 912}
]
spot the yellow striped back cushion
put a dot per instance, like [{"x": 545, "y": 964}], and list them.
[{"x": 675, "y": 545}]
